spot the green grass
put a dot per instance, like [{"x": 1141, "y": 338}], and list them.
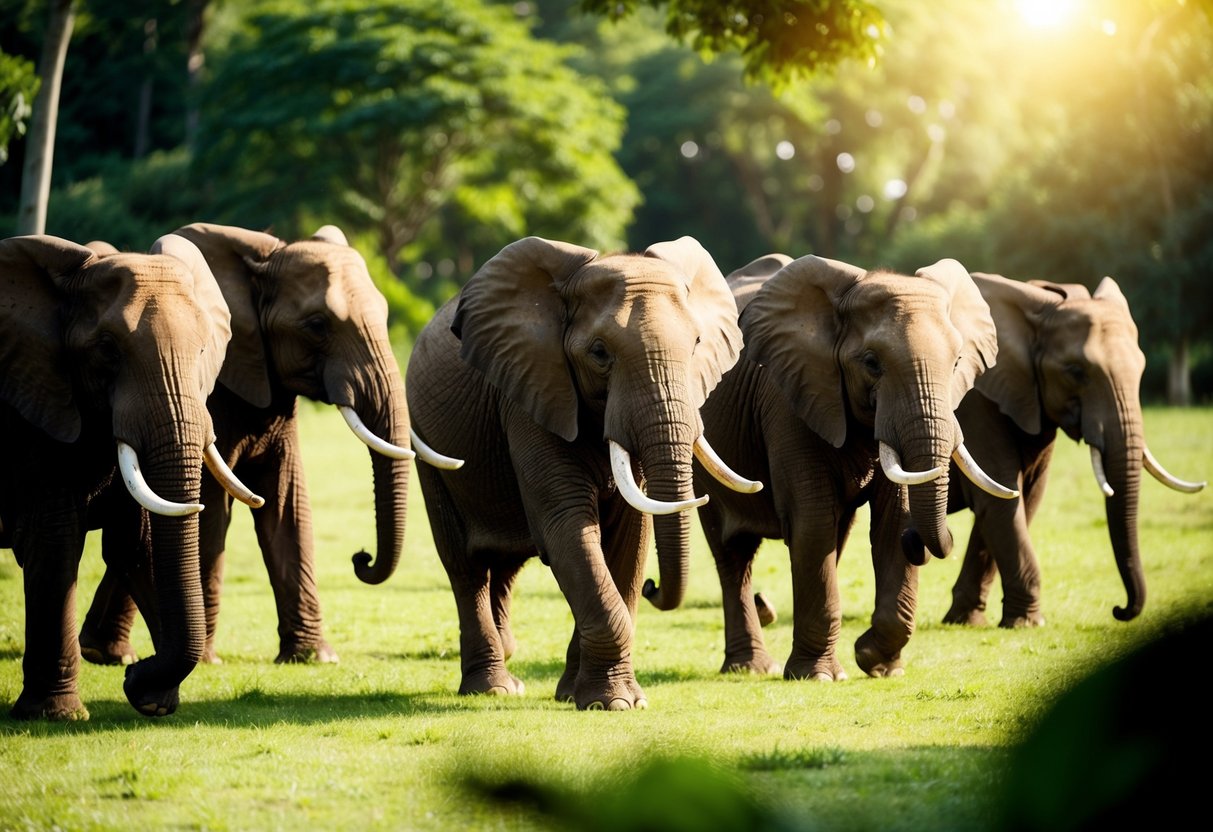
[{"x": 381, "y": 741}]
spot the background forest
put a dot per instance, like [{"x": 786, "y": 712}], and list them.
[{"x": 436, "y": 131}]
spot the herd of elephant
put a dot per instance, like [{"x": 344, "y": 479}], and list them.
[{"x": 565, "y": 404}]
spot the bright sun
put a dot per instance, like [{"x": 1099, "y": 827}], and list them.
[{"x": 1044, "y": 14}]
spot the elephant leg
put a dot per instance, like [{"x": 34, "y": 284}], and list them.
[
  {"x": 105, "y": 634},
  {"x": 744, "y": 648},
  {"x": 605, "y": 678},
  {"x": 972, "y": 587},
  {"x": 49, "y": 548},
  {"x": 878, "y": 649},
  {"x": 481, "y": 656},
  {"x": 284, "y": 534},
  {"x": 501, "y": 582},
  {"x": 625, "y": 536},
  {"x": 816, "y": 607},
  {"x": 1004, "y": 525},
  {"x": 126, "y": 549}
]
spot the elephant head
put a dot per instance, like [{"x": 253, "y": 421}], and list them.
[
  {"x": 1070, "y": 358},
  {"x": 122, "y": 351},
  {"x": 307, "y": 320},
  {"x": 885, "y": 351},
  {"x": 631, "y": 344}
]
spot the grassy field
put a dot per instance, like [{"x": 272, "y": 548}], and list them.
[{"x": 381, "y": 741}]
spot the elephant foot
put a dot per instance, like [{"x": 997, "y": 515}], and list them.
[
  {"x": 766, "y": 610},
  {"x": 155, "y": 702},
  {"x": 818, "y": 669},
  {"x": 875, "y": 662},
  {"x": 607, "y": 686},
  {"x": 968, "y": 616},
  {"x": 495, "y": 682},
  {"x": 209, "y": 656},
  {"x": 758, "y": 662},
  {"x": 66, "y": 707},
  {"x": 96, "y": 650},
  {"x": 1013, "y": 621},
  {"x": 316, "y": 653}
]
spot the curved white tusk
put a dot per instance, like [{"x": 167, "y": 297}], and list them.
[
  {"x": 1162, "y": 475},
  {"x": 969, "y": 467},
  {"x": 128, "y": 464},
  {"x": 891, "y": 463},
  {"x": 372, "y": 441},
  {"x": 1100, "y": 477},
  {"x": 621, "y": 467},
  {"x": 431, "y": 457},
  {"x": 715, "y": 466},
  {"x": 227, "y": 478}
]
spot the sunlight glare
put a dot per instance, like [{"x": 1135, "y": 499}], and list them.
[{"x": 1044, "y": 14}]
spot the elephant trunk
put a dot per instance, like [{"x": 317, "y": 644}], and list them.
[
  {"x": 666, "y": 454},
  {"x": 173, "y": 470},
  {"x": 384, "y": 411},
  {"x": 1122, "y": 449},
  {"x": 930, "y": 446}
]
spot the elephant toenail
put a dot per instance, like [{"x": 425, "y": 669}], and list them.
[
  {"x": 595, "y": 706},
  {"x": 641, "y": 704},
  {"x": 619, "y": 705}
]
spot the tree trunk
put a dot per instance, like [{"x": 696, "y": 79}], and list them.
[
  {"x": 1179, "y": 376},
  {"x": 195, "y": 27},
  {"x": 40, "y": 142}
]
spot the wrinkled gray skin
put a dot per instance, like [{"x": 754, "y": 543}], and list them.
[
  {"x": 836, "y": 360},
  {"x": 94, "y": 351},
  {"x": 549, "y": 352},
  {"x": 1066, "y": 359},
  {"x": 307, "y": 321}
]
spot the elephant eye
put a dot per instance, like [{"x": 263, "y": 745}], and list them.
[
  {"x": 316, "y": 325},
  {"x": 599, "y": 353},
  {"x": 871, "y": 363}
]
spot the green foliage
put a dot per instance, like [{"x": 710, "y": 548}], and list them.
[
  {"x": 18, "y": 85},
  {"x": 439, "y": 123},
  {"x": 126, "y": 203},
  {"x": 382, "y": 741},
  {"x": 780, "y": 41}
]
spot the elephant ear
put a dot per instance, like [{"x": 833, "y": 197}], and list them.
[
  {"x": 1108, "y": 290},
  {"x": 791, "y": 327},
  {"x": 746, "y": 281},
  {"x": 34, "y": 376},
  {"x": 330, "y": 234},
  {"x": 236, "y": 256},
  {"x": 1018, "y": 310},
  {"x": 1069, "y": 291},
  {"x": 510, "y": 324},
  {"x": 970, "y": 314},
  {"x": 210, "y": 300},
  {"x": 101, "y": 248},
  {"x": 713, "y": 309}
]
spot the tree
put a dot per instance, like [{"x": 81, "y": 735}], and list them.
[
  {"x": 780, "y": 41},
  {"x": 18, "y": 86},
  {"x": 40, "y": 147},
  {"x": 438, "y": 123}
]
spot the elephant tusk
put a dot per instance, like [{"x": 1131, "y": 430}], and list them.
[
  {"x": 891, "y": 463},
  {"x": 715, "y": 466},
  {"x": 128, "y": 464},
  {"x": 371, "y": 440},
  {"x": 431, "y": 457},
  {"x": 621, "y": 467},
  {"x": 969, "y": 467},
  {"x": 1100, "y": 477},
  {"x": 1162, "y": 475},
  {"x": 227, "y": 478}
]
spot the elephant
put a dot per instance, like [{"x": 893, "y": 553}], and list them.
[
  {"x": 556, "y": 373},
  {"x": 1067, "y": 359},
  {"x": 845, "y": 373},
  {"x": 307, "y": 321},
  {"x": 105, "y": 366}
]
